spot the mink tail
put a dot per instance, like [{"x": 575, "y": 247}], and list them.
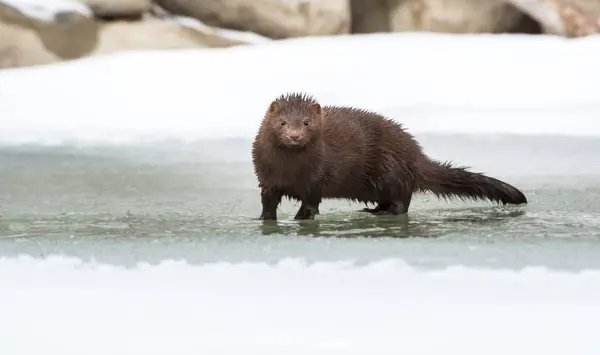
[{"x": 448, "y": 181}]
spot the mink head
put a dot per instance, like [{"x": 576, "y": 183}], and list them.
[{"x": 295, "y": 120}]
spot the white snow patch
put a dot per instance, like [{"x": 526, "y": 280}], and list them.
[
  {"x": 65, "y": 306},
  {"x": 46, "y": 10},
  {"x": 540, "y": 85},
  {"x": 245, "y": 36}
]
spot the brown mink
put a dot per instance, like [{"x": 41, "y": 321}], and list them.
[{"x": 308, "y": 152}]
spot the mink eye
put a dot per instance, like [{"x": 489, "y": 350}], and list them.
[
  {"x": 283, "y": 123},
  {"x": 306, "y": 123}
]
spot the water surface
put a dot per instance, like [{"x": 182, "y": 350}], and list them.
[{"x": 200, "y": 202}]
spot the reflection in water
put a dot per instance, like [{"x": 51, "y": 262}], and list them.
[
  {"x": 371, "y": 226},
  {"x": 425, "y": 224}
]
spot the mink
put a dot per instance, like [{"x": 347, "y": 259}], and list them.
[{"x": 308, "y": 152}]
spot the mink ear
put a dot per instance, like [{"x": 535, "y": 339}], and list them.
[
  {"x": 273, "y": 107},
  {"x": 316, "y": 109}
]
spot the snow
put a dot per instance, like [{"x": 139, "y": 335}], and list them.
[
  {"x": 535, "y": 85},
  {"x": 45, "y": 10},
  {"x": 66, "y": 306}
]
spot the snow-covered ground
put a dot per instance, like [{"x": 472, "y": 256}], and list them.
[
  {"x": 433, "y": 83},
  {"x": 61, "y": 306}
]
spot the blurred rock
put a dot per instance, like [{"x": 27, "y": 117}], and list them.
[
  {"x": 369, "y": 16},
  {"x": 454, "y": 16},
  {"x": 271, "y": 18},
  {"x": 573, "y": 18},
  {"x": 118, "y": 8},
  {"x": 223, "y": 35},
  {"x": 227, "y": 35},
  {"x": 8, "y": 56},
  {"x": 157, "y": 34},
  {"x": 27, "y": 41}
]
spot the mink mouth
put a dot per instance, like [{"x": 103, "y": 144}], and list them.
[{"x": 294, "y": 144}]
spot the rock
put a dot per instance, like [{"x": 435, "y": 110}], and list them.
[
  {"x": 370, "y": 16},
  {"x": 9, "y": 56},
  {"x": 118, "y": 8},
  {"x": 574, "y": 18},
  {"x": 59, "y": 36},
  {"x": 271, "y": 18},
  {"x": 118, "y": 36},
  {"x": 454, "y": 16},
  {"x": 226, "y": 35},
  {"x": 30, "y": 36},
  {"x": 223, "y": 36}
]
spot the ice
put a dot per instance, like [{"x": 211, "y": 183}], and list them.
[
  {"x": 66, "y": 306},
  {"x": 430, "y": 82},
  {"x": 45, "y": 10}
]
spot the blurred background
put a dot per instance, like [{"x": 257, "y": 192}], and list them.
[{"x": 92, "y": 27}]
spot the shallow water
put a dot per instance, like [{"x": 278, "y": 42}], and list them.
[{"x": 200, "y": 202}]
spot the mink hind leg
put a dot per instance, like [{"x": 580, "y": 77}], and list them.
[
  {"x": 309, "y": 208},
  {"x": 381, "y": 206},
  {"x": 395, "y": 207},
  {"x": 396, "y": 201}
]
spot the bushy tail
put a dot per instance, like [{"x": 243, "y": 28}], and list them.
[{"x": 447, "y": 181}]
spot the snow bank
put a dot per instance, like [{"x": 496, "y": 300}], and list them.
[
  {"x": 431, "y": 82},
  {"x": 45, "y": 10},
  {"x": 64, "y": 306}
]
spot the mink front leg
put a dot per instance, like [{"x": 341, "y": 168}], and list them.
[
  {"x": 269, "y": 200},
  {"x": 309, "y": 208}
]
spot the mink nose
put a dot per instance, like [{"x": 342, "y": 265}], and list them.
[{"x": 294, "y": 136}]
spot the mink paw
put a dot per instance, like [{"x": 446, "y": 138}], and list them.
[
  {"x": 306, "y": 212},
  {"x": 368, "y": 210},
  {"x": 267, "y": 216}
]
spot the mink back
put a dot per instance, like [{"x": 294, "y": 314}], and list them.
[{"x": 355, "y": 150}]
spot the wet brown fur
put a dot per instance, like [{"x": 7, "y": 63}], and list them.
[{"x": 354, "y": 154}]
